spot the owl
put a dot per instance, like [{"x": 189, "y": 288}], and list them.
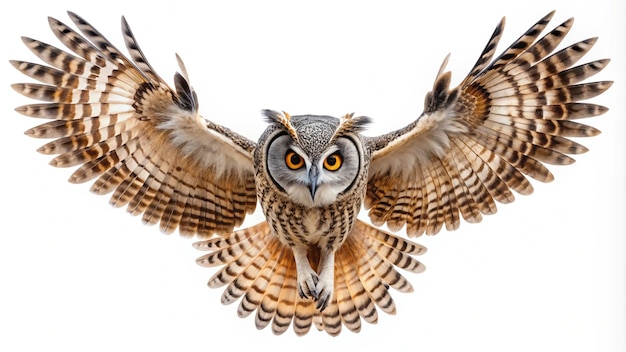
[{"x": 312, "y": 261}]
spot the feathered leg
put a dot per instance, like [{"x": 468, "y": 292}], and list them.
[{"x": 307, "y": 277}]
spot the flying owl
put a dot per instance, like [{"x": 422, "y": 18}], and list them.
[{"x": 312, "y": 261}]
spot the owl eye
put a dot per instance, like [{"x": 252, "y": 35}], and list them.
[
  {"x": 333, "y": 162},
  {"x": 293, "y": 160}
]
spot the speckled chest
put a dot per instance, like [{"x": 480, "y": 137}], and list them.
[{"x": 295, "y": 225}]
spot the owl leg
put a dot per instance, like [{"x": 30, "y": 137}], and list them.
[
  {"x": 307, "y": 277},
  {"x": 326, "y": 281}
]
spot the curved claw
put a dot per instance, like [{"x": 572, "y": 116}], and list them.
[
  {"x": 323, "y": 300},
  {"x": 308, "y": 287}
]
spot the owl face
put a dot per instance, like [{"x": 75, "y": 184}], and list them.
[{"x": 316, "y": 166}]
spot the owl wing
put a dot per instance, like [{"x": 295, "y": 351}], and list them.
[
  {"x": 475, "y": 144},
  {"x": 120, "y": 122}
]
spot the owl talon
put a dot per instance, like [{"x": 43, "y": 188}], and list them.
[
  {"x": 326, "y": 280},
  {"x": 325, "y": 290},
  {"x": 301, "y": 292},
  {"x": 323, "y": 301},
  {"x": 308, "y": 288}
]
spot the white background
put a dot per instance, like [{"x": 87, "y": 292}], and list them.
[{"x": 544, "y": 274}]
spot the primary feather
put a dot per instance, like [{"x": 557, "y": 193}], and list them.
[
  {"x": 121, "y": 123},
  {"x": 476, "y": 143}
]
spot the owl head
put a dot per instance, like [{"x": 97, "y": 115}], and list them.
[{"x": 313, "y": 159}]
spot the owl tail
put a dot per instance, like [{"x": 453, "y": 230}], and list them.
[{"x": 259, "y": 269}]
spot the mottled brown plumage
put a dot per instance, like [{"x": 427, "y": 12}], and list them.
[
  {"x": 477, "y": 142},
  {"x": 313, "y": 262}
]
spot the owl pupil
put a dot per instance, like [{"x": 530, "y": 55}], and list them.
[
  {"x": 295, "y": 159},
  {"x": 332, "y": 160}
]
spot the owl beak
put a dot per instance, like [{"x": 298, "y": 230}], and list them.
[{"x": 313, "y": 176}]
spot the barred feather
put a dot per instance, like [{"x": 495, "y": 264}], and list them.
[
  {"x": 259, "y": 270},
  {"x": 477, "y": 143},
  {"x": 125, "y": 127}
]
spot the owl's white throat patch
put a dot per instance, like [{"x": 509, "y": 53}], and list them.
[{"x": 300, "y": 194}]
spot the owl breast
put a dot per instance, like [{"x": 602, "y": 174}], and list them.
[{"x": 323, "y": 227}]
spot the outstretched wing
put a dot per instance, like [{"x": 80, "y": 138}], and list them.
[
  {"x": 144, "y": 141},
  {"x": 476, "y": 143}
]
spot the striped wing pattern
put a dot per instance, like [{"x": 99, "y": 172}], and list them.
[
  {"x": 477, "y": 143},
  {"x": 121, "y": 124}
]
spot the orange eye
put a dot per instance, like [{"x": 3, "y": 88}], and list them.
[
  {"x": 333, "y": 162},
  {"x": 293, "y": 160}
]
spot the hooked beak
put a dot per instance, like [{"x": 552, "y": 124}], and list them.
[{"x": 313, "y": 175}]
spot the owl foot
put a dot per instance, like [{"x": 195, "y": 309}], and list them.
[
  {"x": 307, "y": 284},
  {"x": 318, "y": 289},
  {"x": 326, "y": 281},
  {"x": 307, "y": 277},
  {"x": 310, "y": 284},
  {"x": 325, "y": 294}
]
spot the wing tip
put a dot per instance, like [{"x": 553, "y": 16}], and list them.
[{"x": 52, "y": 22}]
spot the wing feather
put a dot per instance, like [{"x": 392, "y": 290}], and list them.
[
  {"x": 121, "y": 124},
  {"x": 475, "y": 144}
]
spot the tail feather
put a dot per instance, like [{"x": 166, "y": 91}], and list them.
[
  {"x": 330, "y": 321},
  {"x": 227, "y": 249},
  {"x": 304, "y": 311},
  {"x": 236, "y": 253},
  {"x": 236, "y": 273},
  {"x": 287, "y": 296},
  {"x": 371, "y": 254},
  {"x": 262, "y": 268},
  {"x": 393, "y": 252},
  {"x": 362, "y": 300},
  {"x": 349, "y": 314},
  {"x": 258, "y": 269},
  {"x": 269, "y": 302}
]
